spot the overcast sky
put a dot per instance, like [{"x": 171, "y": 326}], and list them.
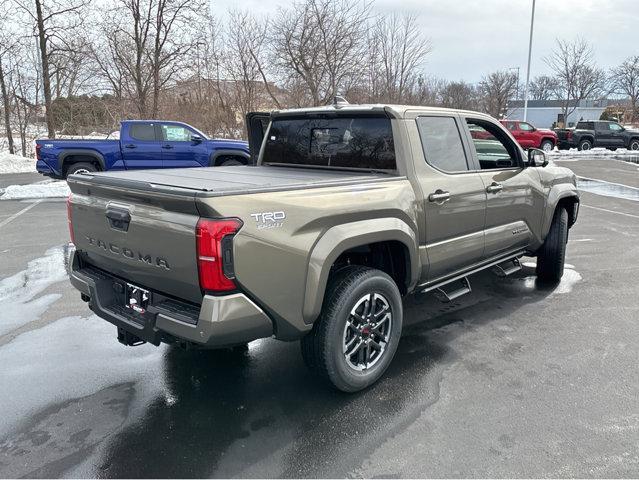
[{"x": 473, "y": 37}]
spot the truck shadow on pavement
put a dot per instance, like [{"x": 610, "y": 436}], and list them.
[{"x": 261, "y": 414}]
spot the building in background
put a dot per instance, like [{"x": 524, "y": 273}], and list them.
[{"x": 547, "y": 113}]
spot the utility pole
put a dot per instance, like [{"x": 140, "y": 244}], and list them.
[{"x": 532, "y": 23}]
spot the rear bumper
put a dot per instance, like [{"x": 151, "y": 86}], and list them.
[
  {"x": 220, "y": 321},
  {"x": 45, "y": 169}
]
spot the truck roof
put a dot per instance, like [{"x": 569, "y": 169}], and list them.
[{"x": 396, "y": 111}]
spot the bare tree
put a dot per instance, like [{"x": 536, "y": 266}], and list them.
[
  {"x": 624, "y": 80},
  {"x": 321, "y": 44},
  {"x": 7, "y": 50},
  {"x": 575, "y": 70},
  {"x": 55, "y": 23},
  {"x": 146, "y": 41},
  {"x": 496, "y": 89},
  {"x": 459, "y": 95},
  {"x": 544, "y": 87},
  {"x": 243, "y": 60},
  {"x": 396, "y": 50}
]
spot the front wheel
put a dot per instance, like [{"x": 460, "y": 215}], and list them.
[
  {"x": 547, "y": 146},
  {"x": 356, "y": 337},
  {"x": 634, "y": 144},
  {"x": 552, "y": 255}
]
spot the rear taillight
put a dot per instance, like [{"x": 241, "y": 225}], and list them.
[
  {"x": 214, "y": 244},
  {"x": 37, "y": 149},
  {"x": 70, "y": 219}
]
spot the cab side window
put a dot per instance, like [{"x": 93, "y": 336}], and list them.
[
  {"x": 526, "y": 127},
  {"x": 175, "y": 133},
  {"x": 442, "y": 144},
  {"x": 144, "y": 132},
  {"x": 615, "y": 127},
  {"x": 493, "y": 147}
]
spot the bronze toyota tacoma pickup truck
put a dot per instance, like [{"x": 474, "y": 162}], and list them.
[{"x": 348, "y": 209}]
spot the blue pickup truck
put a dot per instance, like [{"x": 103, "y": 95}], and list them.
[{"x": 142, "y": 144}]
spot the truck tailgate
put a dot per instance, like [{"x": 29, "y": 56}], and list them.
[{"x": 144, "y": 235}]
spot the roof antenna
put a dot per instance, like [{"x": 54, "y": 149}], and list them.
[{"x": 339, "y": 101}]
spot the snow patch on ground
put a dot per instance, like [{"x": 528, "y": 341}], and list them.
[
  {"x": 593, "y": 152},
  {"x": 18, "y": 305},
  {"x": 46, "y": 189},
  {"x": 568, "y": 281},
  {"x": 16, "y": 164}
]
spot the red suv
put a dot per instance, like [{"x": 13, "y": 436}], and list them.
[{"x": 531, "y": 137}]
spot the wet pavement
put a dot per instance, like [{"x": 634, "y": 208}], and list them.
[{"x": 515, "y": 379}]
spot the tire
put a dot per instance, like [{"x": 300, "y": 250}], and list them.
[
  {"x": 230, "y": 161},
  {"x": 347, "y": 297},
  {"x": 547, "y": 145},
  {"x": 634, "y": 144},
  {"x": 81, "y": 167},
  {"x": 552, "y": 254},
  {"x": 585, "y": 144}
]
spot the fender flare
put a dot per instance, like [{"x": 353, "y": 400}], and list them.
[
  {"x": 556, "y": 194},
  {"x": 224, "y": 152},
  {"x": 97, "y": 156},
  {"x": 340, "y": 238}
]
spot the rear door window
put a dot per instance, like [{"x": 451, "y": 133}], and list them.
[
  {"x": 143, "y": 131},
  {"x": 442, "y": 144},
  {"x": 361, "y": 142}
]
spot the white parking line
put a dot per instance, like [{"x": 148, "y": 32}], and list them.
[
  {"x": 611, "y": 211},
  {"x": 16, "y": 215}
]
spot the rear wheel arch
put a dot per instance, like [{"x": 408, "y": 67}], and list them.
[
  {"x": 80, "y": 156},
  {"x": 386, "y": 244}
]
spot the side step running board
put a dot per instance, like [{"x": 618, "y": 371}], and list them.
[
  {"x": 507, "y": 268},
  {"x": 444, "y": 296}
]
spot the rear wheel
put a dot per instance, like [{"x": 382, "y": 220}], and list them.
[
  {"x": 81, "y": 167},
  {"x": 552, "y": 255},
  {"x": 547, "y": 145},
  {"x": 585, "y": 145},
  {"x": 356, "y": 336}
]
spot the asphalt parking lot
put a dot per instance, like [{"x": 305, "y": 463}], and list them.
[{"x": 515, "y": 379}]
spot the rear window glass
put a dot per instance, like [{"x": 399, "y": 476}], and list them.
[
  {"x": 145, "y": 132},
  {"x": 342, "y": 142}
]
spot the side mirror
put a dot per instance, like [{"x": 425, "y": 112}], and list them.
[
  {"x": 196, "y": 138},
  {"x": 537, "y": 158}
]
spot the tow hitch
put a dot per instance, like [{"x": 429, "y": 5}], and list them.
[{"x": 128, "y": 339}]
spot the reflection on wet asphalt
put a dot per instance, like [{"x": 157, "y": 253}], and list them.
[
  {"x": 96, "y": 408},
  {"x": 608, "y": 189}
]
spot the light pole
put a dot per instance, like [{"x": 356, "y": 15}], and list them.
[{"x": 532, "y": 23}]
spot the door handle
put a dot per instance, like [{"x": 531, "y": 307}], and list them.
[
  {"x": 130, "y": 145},
  {"x": 494, "y": 187},
  {"x": 168, "y": 147},
  {"x": 439, "y": 196}
]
